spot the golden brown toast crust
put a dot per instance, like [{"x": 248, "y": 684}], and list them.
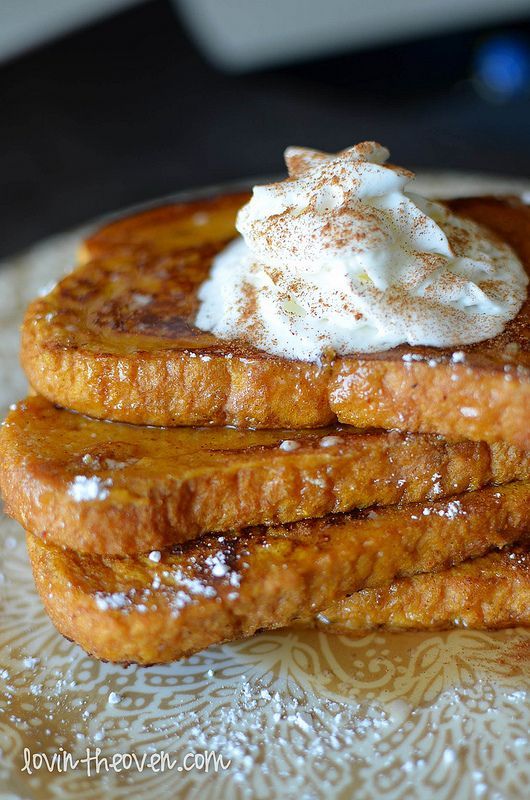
[
  {"x": 220, "y": 588},
  {"x": 115, "y": 340},
  {"x": 158, "y": 487},
  {"x": 491, "y": 592},
  {"x": 486, "y": 395}
]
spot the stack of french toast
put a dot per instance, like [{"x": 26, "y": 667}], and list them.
[{"x": 179, "y": 490}]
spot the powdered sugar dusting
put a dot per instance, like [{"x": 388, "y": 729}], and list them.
[
  {"x": 330, "y": 441},
  {"x": 84, "y": 488},
  {"x": 178, "y": 585},
  {"x": 469, "y": 411},
  {"x": 289, "y": 445}
]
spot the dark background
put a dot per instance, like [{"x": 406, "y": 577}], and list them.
[{"x": 127, "y": 110}]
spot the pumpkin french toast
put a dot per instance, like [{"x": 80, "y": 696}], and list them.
[
  {"x": 116, "y": 488},
  {"x": 169, "y": 604},
  {"x": 116, "y": 340},
  {"x": 491, "y": 592},
  {"x": 321, "y": 421}
]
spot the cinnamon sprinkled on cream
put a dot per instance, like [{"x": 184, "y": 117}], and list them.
[{"x": 340, "y": 257}]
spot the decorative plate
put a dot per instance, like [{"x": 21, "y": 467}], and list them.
[{"x": 282, "y": 715}]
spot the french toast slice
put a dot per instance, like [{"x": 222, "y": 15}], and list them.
[
  {"x": 115, "y": 340},
  {"x": 117, "y": 488},
  {"x": 486, "y": 593},
  {"x": 157, "y": 608}
]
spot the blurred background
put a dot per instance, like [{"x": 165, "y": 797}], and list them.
[{"x": 106, "y": 103}]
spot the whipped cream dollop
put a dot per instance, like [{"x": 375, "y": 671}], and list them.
[{"x": 342, "y": 257}]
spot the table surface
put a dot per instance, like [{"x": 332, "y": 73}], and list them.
[{"x": 127, "y": 110}]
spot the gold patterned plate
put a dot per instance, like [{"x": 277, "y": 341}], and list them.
[{"x": 282, "y": 715}]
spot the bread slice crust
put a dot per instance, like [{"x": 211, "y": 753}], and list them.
[
  {"x": 116, "y": 340},
  {"x": 219, "y": 588},
  {"x": 116, "y": 488},
  {"x": 487, "y": 593}
]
